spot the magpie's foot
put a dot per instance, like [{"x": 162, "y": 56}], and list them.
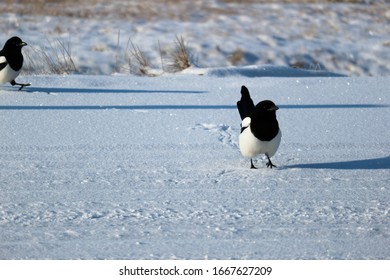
[
  {"x": 252, "y": 165},
  {"x": 269, "y": 163},
  {"x": 19, "y": 84},
  {"x": 24, "y": 85}
]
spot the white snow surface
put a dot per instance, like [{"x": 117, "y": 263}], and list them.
[{"x": 125, "y": 167}]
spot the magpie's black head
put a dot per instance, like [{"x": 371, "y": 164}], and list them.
[
  {"x": 13, "y": 44},
  {"x": 266, "y": 106},
  {"x": 12, "y": 51}
]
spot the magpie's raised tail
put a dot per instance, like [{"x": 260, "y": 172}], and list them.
[{"x": 245, "y": 105}]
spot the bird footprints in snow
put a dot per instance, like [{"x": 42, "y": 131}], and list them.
[{"x": 225, "y": 133}]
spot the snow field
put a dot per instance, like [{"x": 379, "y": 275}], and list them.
[
  {"x": 343, "y": 38},
  {"x": 122, "y": 167}
]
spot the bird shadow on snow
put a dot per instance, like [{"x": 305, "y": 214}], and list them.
[
  {"x": 116, "y": 107},
  {"x": 107, "y": 90},
  {"x": 333, "y": 106},
  {"x": 365, "y": 164}
]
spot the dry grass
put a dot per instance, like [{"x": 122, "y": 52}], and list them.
[
  {"x": 180, "y": 56},
  {"x": 54, "y": 58},
  {"x": 236, "y": 57},
  {"x": 138, "y": 62},
  {"x": 172, "y": 60},
  {"x": 294, "y": 1},
  {"x": 102, "y": 8},
  {"x": 134, "y": 9}
]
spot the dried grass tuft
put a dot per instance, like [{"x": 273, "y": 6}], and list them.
[
  {"x": 180, "y": 56},
  {"x": 138, "y": 62},
  {"x": 54, "y": 58}
]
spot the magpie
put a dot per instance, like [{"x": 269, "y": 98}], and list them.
[
  {"x": 260, "y": 133},
  {"x": 11, "y": 61}
]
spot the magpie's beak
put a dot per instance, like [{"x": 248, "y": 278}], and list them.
[
  {"x": 274, "y": 108},
  {"x": 22, "y": 44}
]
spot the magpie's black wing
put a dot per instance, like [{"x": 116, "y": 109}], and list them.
[
  {"x": 245, "y": 105},
  {"x": 2, "y": 65},
  {"x": 3, "y": 61}
]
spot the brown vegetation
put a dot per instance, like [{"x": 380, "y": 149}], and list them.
[{"x": 135, "y": 8}]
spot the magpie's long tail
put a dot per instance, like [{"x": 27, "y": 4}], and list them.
[{"x": 245, "y": 105}]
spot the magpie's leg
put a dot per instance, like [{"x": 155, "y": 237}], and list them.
[
  {"x": 252, "y": 165},
  {"x": 269, "y": 163},
  {"x": 19, "y": 84}
]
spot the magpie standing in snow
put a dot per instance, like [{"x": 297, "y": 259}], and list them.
[
  {"x": 260, "y": 133},
  {"x": 11, "y": 61}
]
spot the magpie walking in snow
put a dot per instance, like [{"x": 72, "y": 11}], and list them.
[
  {"x": 260, "y": 133},
  {"x": 11, "y": 61}
]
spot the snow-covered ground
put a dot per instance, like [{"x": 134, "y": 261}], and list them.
[
  {"x": 352, "y": 39},
  {"x": 125, "y": 167},
  {"x": 102, "y": 166}
]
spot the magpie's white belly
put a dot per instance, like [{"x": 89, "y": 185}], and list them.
[
  {"x": 250, "y": 146},
  {"x": 7, "y": 74}
]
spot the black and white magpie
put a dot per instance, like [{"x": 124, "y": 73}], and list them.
[
  {"x": 260, "y": 133},
  {"x": 11, "y": 61}
]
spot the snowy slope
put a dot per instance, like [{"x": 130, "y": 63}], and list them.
[
  {"x": 123, "y": 167},
  {"x": 341, "y": 37}
]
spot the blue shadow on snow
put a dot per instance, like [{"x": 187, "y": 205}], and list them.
[
  {"x": 117, "y": 107},
  {"x": 181, "y": 107},
  {"x": 103, "y": 90},
  {"x": 365, "y": 164}
]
